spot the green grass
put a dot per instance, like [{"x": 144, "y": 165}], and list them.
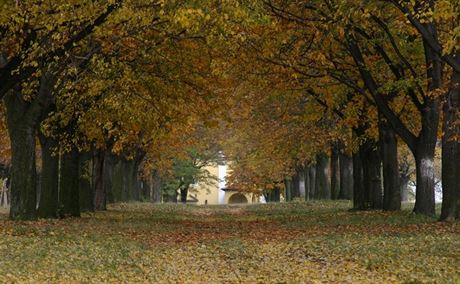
[{"x": 316, "y": 242}]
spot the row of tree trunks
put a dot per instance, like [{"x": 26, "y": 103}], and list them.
[
  {"x": 314, "y": 179},
  {"x": 306, "y": 181},
  {"x": 359, "y": 202},
  {"x": 107, "y": 182},
  {"x": 155, "y": 187},
  {"x": 273, "y": 195},
  {"x": 346, "y": 176},
  {"x": 367, "y": 174},
  {"x": 423, "y": 144},
  {"x": 288, "y": 189},
  {"x": 322, "y": 185},
  {"x": 123, "y": 183},
  {"x": 358, "y": 177},
  {"x": 72, "y": 183},
  {"x": 127, "y": 185},
  {"x": 295, "y": 187},
  {"x": 335, "y": 172}
]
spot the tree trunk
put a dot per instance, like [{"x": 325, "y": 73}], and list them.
[
  {"x": 288, "y": 190},
  {"x": 118, "y": 181},
  {"x": 128, "y": 182},
  {"x": 302, "y": 187},
  {"x": 426, "y": 142},
  {"x": 312, "y": 179},
  {"x": 68, "y": 189},
  {"x": 49, "y": 185},
  {"x": 389, "y": 151},
  {"x": 23, "y": 181},
  {"x": 23, "y": 119},
  {"x": 295, "y": 185},
  {"x": 136, "y": 183},
  {"x": 107, "y": 179},
  {"x": 323, "y": 186},
  {"x": 184, "y": 194},
  {"x": 335, "y": 172},
  {"x": 372, "y": 176},
  {"x": 451, "y": 152},
  {"x": 359, "y": 200},
  {"x": 99, "y": 161},
  {"x": 84, "y": 183},
  {"x": 424, "y": 195},
  {"x": 275, "y": 195},
  {"x": 306, "y": 176},
  {"x": 346, "y": 176},
  {"x": 157, "y": 187}
]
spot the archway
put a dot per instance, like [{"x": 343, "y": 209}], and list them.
[{"x": 237, "y": 198}]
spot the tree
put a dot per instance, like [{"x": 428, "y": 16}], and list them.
[
  {"x": 438, "y": 25},
  {"x": 35, "y": 48}
]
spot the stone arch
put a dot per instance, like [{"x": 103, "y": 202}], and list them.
[{"x": 237, "y": 198}]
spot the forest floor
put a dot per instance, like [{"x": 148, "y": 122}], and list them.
[{"x": 318, "y": 242}]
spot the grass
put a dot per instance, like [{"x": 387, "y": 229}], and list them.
[{"x": 317, "y": 242}]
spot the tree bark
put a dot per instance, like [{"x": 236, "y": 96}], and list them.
[
  {"x": 128, "y": 182},
  {"x": 302, "y": 178},
  {"x": 323, "y": 186},
  {"x": 306, "y": 175},
  {"x": 287, "y": 190},
  {"x": 23, "y": 119},
  {"x": 295, "y": 193},
  {"x": 275, "y": 195},
  {"x": 424, "y": 194},
  {"x": 157, "y": 187},
  {"x": 451, "y": 152},
  {"x": 184, "y": 194},
  {"x": 49, "y": 186},
  {"x": 23, "y": 181},
  {"x": 107, "y": 179},
  {"x": 101, "y": 175},
  {"x": 359, "y": 200},
  {"x": 136, "y": 183},
  {"x": 346, "y": 176},
  {"x": 68, "y": 186},
  {"x": 426, "y": 142},
  {"x": 389, "y": 151},
  {"x": 312, "y": 178},
  {"x": 372, "y": 176},
  {"x": 118, "y": 181},
  {"x": 335, "y": 172}
]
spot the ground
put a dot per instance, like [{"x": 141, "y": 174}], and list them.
[{"x": 320, "y": 242}]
